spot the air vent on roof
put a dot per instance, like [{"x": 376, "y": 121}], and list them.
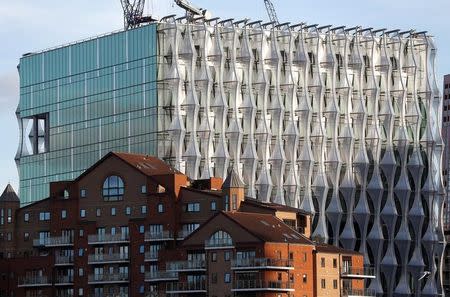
[
  {"x": 295, "y": 236},
  {"x": 287, "y": 235},
  {"x": 265, "y": 223}
]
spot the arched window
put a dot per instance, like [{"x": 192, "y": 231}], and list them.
[
  {"x": 113, "y": 188},
  {"x": 220, "y": 238}
]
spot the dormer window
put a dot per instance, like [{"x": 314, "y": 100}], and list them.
[{"x": 113, "y": 188}]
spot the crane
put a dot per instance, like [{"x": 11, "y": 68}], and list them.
[
  {"x": 133, "y": 11},
  {"x": 271, "y": 11}
]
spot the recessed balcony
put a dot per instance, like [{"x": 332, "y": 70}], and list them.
[
  {"x": 358, "y": 272},
  {"x": 108, "y": 258},
  {"x": 34, "y": 281},
  {"x": 108, "y": 278},
  {"x": 186, "y": 266},
  {"x": 357, "y": 293},
  {"x": 63, "y": 260},
  {"x": 161, "y": 276},
  {"x": 60, "y": 241},
  {"x": 220, "y": 243},
  {"x": 261, "y": 264},
  {"x": 158, "y": 236},
  {"x": 186, "y": 288},
  {"x": 262, "y": 285},
  {"x": 64, "y": 280},
  {"x": 108, "y": 238},
  {"x": 151, "y": 256}
]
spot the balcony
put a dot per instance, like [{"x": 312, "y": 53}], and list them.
[
  {"x": 182, "y": 234},
  {"x": 60, "y": 241},
  {"x": 357, "y": 293},
  {"x": 108, "y": 278},
  {"x": 160, "y": 276},
  {"x": 63, "y": 260},
  {"x": 358, "y": 272},
  {"x": 158, "y": 236},
  {"x": 261, "y": 264},
  {"x": 186, "y": 288},
  {"x": 34, "y": 281},
  {"x": 64, "y": 280},
  {"x": 108, "y": 238},
  {"x": 151, "y": 256},
  {"x": 222, "y": 243},
  {"x": 262, "y": 285},
  {"x": 108, "y": 258},
  {"x": 186, "y": 266}
]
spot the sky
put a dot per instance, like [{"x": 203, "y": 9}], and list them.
[{"x": 27, "y": 26}]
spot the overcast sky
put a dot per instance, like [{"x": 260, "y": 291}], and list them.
[{"x": 27, "y": 26}]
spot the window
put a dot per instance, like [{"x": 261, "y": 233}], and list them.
[
  {"x": 113, "y": 188},
  {"x": 193, "y": 207},
  {"x": 227, "y": 203},
  {"x": 44, "y": 216},
  {"x": 160, "y": 208},
  {"x": 335, "y": 284},
  {"x": 143, "y": 189},
  {"x": 80, "y": 252},
  {"x": 63, "y": 214},
  {"x": 142, "y": 269},
  {"x": 227, "y": 278},
  {"x": 141, "y": 289},
  {"x": 305, "y": 278},
  {"x": 213, "y": 205},
  {"x": 213, "y": 257},
  {"x": 220, "y": 238},
  {"x": 113, "y": 211},
  {"x": 81, "y": 233},
  {"x": 26, "y": 236},
  {"x": 141, "y": 249},
  {"x": 26, "y": 217},
  {"x": 234, "y": 206},
  {"x": 2, "y": 216},
  {"x": 83, "y": 193},
  {"x": 9, "y": 236},
  {"x": 143, "y": 209},
  {"x": 66, "y": 194},
  {"x": 322, "y": 283},
  {"x": 226, "y": 256},
  {"x": 334, "y": 263},
  {"x": 141, "y": 229},
  {"x": 128, "y": 210},
  {"x": 80, "y": 272},
  {"x": 322, "y": 262},
  {"x": 80, "y": 292},
  {"x": 9, "y": 220},
  {"x": 214, "y": 278},
  {"x": 98, "y": 212},
  {"x": 82, "y": 213}
]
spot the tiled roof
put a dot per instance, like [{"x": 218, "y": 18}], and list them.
[
  {"x": 267, "y": 227},
  {"x": 233, "y": 180},
  {"x": 328, "y": 248},
  {"x": 9, "y": 195},
  {"x": 148, "y": 165},
  {"x": 273, "y": 206}
]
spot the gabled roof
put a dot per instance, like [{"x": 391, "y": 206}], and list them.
[
  {"x": 273, "y": 206},
  {"x": 267, "y": 227},
  {"x": 328, "y": 248},
  {"x": 233, "y": 180},
  {"x": 9, "y": 195}
]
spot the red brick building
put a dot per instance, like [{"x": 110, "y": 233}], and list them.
[{"x": 133, "y": 226}]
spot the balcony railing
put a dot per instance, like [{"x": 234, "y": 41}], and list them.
[
  {"x": 108, "y": 238},
  {"x": 194, "y": 265},
  {"x": 151, "y": 256},
  {"x": 262, "y": 285},
  {"x": 357, "y": 293},
  {"x": 158, "y": 236},
  {"x": 63, "y": 260},
  {"x": 34, "y": 281},
  {"x": 64, "y": 280},
  {"x": 182, "y": 234},
  {"x": 219, "y": 243},
  {"x": 358, "y": 272},
  {"x": 261, "y": 263},
  {"x": 108, "y": 258},
  {"x": 186, "y": 288},
  {"x": 108, "y": 278},
  {"x": 154, "y": 276},
  {"x": 53, "y": 241},
  {"x": 64, "y": 294}
]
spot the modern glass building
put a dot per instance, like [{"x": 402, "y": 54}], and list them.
[{"x": 80, "y": 101}]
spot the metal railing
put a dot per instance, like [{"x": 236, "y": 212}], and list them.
[
  {"x": 158, "y": 236},
  {"x": 217, "y": 243},
  {"x": 104, "y": 258},
  {"x": 357, "y": 292},
  {"x": 261, "y": 285},
  {"x": 108, "y": 238},
  {"x": 34, "y": 281},
  {"x": 186, "y": 265},
  {"x": 261, "y": 263},
  {"x": 151, "y": 256},
  {"x": 161, "y": 275},
  {"x": 64, "y": 279},
  {"x": 53, "y": 241},
  {"x": 109, "y": 295},
  {"x": 182, "y": 234},
  {"x": 185, "y": 287},
  {"x": 63, "y": 259},
  {"x": 357, "y": 272},
  {"x": 108, "y": 277}
]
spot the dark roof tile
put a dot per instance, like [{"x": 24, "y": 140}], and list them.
[{"x": 9, "y": 195}]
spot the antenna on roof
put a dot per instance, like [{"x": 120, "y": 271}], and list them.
[{"x": 133, "y": 13}]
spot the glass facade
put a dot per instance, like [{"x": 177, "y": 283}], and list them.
[{"x": 80, "y": 101}]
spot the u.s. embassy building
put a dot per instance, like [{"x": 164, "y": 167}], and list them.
[{"x": 344, "y": 123}]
